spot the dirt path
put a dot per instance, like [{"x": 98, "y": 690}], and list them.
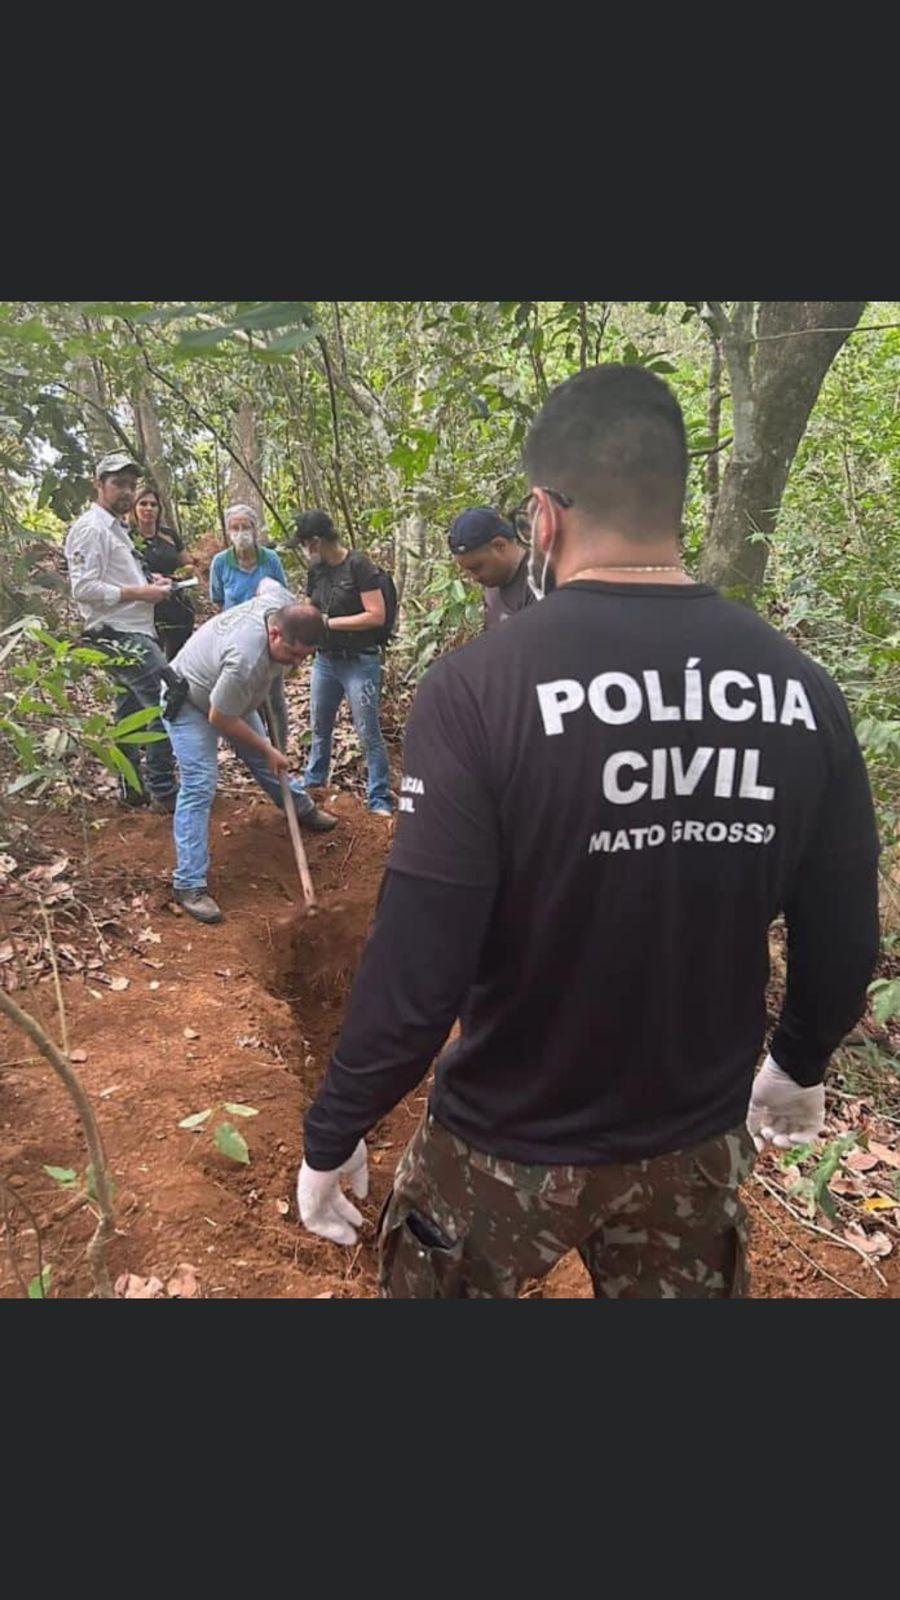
[{"x": 245, "y": 1012}]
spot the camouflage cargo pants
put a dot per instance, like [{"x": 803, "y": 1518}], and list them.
[{"x": 463, "y": 1225}]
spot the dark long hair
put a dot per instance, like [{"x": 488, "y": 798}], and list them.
[{"x": 171, "y": 533}]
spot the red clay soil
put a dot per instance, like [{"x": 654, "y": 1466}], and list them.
[{"x": 245, "y": 1012}]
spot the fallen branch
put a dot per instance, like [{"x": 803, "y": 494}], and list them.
[{"x": 63, "y": 1029}]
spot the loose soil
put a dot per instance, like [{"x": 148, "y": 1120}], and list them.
[{"x": 245, "y": 1012}]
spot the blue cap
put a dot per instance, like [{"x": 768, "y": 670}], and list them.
[{"x": 478, "y": 526}]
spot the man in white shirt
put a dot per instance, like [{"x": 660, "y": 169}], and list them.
[{"x": 116, "y": 604}]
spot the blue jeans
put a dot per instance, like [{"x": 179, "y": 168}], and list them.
[
  {"x": 196, "y": 744},
  {"x": 359, "y": 677},
  {"x": 140, "y": 684}
]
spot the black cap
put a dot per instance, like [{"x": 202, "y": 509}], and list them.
[{"x": 478, "y": 526}]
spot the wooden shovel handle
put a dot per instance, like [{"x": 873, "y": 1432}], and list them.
[{"x": 309, "y": 893}]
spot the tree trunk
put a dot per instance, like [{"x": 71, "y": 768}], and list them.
[
  {"x": 241, "y": 489},
  {"x": 150, "y": 438},
  {"x": 89, "y": 384},
  {"x": 713, "y": 417},
  {"x": 775, "y": 380}
]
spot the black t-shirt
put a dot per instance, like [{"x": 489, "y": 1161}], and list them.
[
  {"x": 159, "y": 555},
  {"x": 642, "y": 777},
  {"x": 336, "y": 591},
  {"x": 602, "y": 811}
]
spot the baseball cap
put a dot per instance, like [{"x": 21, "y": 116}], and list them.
[
  {"x": 476, "y": 527},
  {"x": 116, "y": 462}
]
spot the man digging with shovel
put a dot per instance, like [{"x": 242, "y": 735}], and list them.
[{"x": 229, "y": 666}]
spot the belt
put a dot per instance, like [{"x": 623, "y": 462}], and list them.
[{"x": 351, "y": 655}]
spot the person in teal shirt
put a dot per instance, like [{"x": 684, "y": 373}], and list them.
[
  {"x": 236, "y": 573},
  {"x": 235, "y": 576}
]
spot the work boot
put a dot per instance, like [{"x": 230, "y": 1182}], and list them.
[
  {"x": 165, "y": 806},
  {"x": 199, "y": 903},
  {"x": 317, "y": 821}
]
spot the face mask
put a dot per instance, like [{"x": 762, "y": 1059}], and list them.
[
  {"x": 243, "y": 540},
  {"x": 538, "y": 586}
]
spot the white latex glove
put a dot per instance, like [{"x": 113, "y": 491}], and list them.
[
  {"x": 782, "y": 1111},
  {"x": 323, "y": 1208}
]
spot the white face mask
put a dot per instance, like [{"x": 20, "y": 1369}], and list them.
[
  {"x": 538, "y": 586},
  {"x": 243, "y": 540}
]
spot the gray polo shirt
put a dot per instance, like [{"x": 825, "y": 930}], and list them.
[{"x": 227, "y": 661}]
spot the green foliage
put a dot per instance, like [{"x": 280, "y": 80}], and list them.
[
  {"x": 39, "y": 1287},
  {"x": 45, "y": 716},
  {"x": 447, "y": 612},
  {"x": 66, "y": 1177},
  {"x": 232, "y": 1144},
  {"x": 226, "y": 1138},
  {"x": 812, "y": 1193},
  {"x": 433, "y": 400},
  {"x": 886, "y": 1004}
]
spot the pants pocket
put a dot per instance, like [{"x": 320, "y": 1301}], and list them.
[
  {"x": 417, "y": 1259},
  {"x": 721, "y": 1166}
]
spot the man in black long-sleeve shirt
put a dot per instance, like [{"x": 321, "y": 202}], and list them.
[{"x": 605, "y": 805}]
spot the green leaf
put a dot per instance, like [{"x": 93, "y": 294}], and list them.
[
  {"x": 887, "y": 1002},
  {"x": 232, "y": 1144},
  {"x": 66, "y": 1176},
  {"x": 197, "y": 1120},
  {"x": 117, "y": 761},
  {"x": 289, "y": 341},
  {"x": 87, "y": 657},
  {"x": 203, "y": 338},
  {"x": 138, "y": 719},
  {"x": 37, "y": 1289},
  {"x": 112, "y": 308},
  {"x": 174, "y": 313},
  {"x": 793, "y": 1158},
  {"x": 58, "y": 646},
  {"x": 23, "y": 782},
  {"x": 274, "y": 314},
  {"x": 240, "y": 1111},
  {"x": 141, "y": 738}
]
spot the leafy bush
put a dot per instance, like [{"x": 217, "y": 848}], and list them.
[{"x": 46, "y": 719}]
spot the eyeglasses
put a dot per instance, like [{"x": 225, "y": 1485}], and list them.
[{"x": 523, "y": 515}]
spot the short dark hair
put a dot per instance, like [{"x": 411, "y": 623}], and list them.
[
  {"x": 613, "y": 439},
  {"x": 314, "y": 525},
  {"x": 300, "y": 624}
]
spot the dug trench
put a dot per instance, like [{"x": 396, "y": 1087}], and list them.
[{"x": 176, "y": 1019}]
